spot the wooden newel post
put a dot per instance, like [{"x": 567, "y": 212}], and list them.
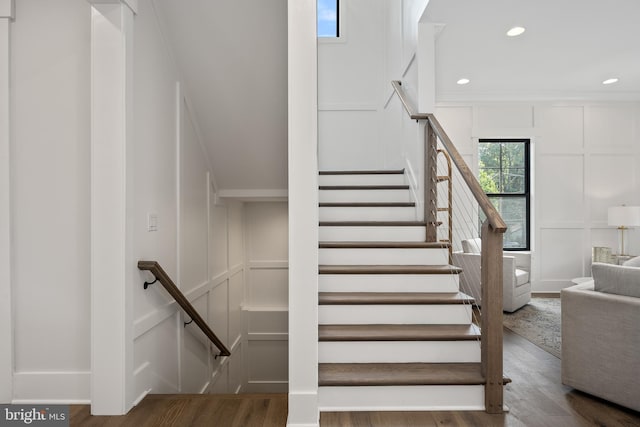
[
  {"x": 430, "y": 183},
  {"x": 491, "y": 323}
]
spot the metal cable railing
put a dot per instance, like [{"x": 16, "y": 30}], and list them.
[{"x": 491, "y": 233}]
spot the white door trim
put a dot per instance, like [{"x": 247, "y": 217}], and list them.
[{"x": 7, "y": 8}]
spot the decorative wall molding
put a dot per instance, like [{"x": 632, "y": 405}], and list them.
[
  {"x": 131, "y": 4},
  {"x": 7, "y": 9},
  {"x": 348, "y": 107},
  {"x": 254, "y": 195},
  {"x": 268, "y": 265}
]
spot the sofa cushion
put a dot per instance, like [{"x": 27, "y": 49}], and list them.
[
  {"x": 472, "y": 246},
  {"x": 616, "y": 279},
  {"x": 522, "y": 277},
  {"x": 633, "y": 262}
]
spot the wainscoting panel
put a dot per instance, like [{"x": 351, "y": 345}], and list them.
[
  {"x": 504, "y": 117},
  {"x": 268, "y": 287},
  {"x": 156, "y": 358},
  {"x": 458, "y": 122},
  {"x": 565, "y": 124},
  {"x": 610, "y": 127},
  {"x": 611, "y": 182},
  {"x": 561, "y": 255},
  {"x": 562, "y": 178}
]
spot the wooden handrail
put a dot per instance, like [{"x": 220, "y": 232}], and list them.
[
  {"x": 492, "y": 241},
  {"x": 495, "y": 220},
  {"x": 397, "y": 86},
  {"x": 167, "y": 283}
]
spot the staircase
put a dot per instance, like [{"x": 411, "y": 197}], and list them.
[{"x": 395, "y": 332}]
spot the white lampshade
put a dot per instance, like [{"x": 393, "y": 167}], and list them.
[{"x": 624, "y": 216}]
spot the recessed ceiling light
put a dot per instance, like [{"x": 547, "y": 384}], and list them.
[
  {"x": 515, "y": 31},
  {"x": 610, "y": 81},
  {"x": 463, "y": 81}
]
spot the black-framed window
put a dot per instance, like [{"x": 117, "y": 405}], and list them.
[
  {"x": 328, "y": 18},
  {"x": 504, "y": 174}
]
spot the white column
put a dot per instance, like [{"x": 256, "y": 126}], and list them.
[
  {"x": 426, "y": 56},
  {"x": 6, "y": 317},
  {"x": 111, "y": 186},
  {"x": 303, "y": 215}
]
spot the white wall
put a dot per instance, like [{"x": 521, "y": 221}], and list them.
[
  {"x": 350, "y": 89},
  {"x": 267, "y": 299},
  {"x": 362, "y": 125},
  {"x": 200, "y": 243},
  {"x": 50, "y": 207},
  {"x": 585, "y": 158}
]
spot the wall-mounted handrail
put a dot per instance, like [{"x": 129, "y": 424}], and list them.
[
  {"x": 491, "y": 251},
  {"x": 154, "y": 268},
  {"x": 397, "y": 86}
]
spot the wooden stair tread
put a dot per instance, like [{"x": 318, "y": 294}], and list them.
[
  {"x": 363, "y": 172},
  {"x": 389, "y": 269},
  {"x": 364, "y": 187},
  {"x": 372, "y": 223},
  {"x": 367, "y": 204},
  {"x": 398, "y": 332},
  {"x": 384, "y": 245},
  {"x": 393, "y": 298},
  {"x": 398, "y": 374}
]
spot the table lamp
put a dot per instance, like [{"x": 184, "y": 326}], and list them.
[{"x": 624, "y": 217}]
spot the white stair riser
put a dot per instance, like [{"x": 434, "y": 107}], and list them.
[
  {"x": 364, "y": 179},
  {"x": 368, "y": 214},
  {"x": 365, "y": 196},
  {"x": 402, "y": 398},
  {"x": 399, "y": 351},
  {"x": 441, "y": 314},
  {"x": 383, "y": 256},
  {"x": 373, "y": 234},
  {"x": 388, "y": 283}
]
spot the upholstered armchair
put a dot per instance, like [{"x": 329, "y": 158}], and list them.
[{"x": 516, "y": 267}]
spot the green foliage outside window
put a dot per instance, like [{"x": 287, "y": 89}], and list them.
[{"x": 503, "y": 176}]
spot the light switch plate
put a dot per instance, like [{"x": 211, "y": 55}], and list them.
[{"x": 152, "y": 222}]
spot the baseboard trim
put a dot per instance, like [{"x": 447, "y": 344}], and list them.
[
  {"x": 303, "y": 409},
  {"x": 52, "y": 388},
  {"x": 545, "y": 294}
]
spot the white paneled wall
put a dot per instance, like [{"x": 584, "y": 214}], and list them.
[
  {"x": 267, "y": 296},
  {"x": 585, "y": 158},
  {"x": 200, "y": 243},
  {"x": 351, "y": 91}
]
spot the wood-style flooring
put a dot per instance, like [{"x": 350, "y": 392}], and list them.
[{"x": 535, "y": 398}]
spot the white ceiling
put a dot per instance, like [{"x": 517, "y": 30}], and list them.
[
  {"x": 233, "y": 59},
  {"x": 568, "y": 49}
]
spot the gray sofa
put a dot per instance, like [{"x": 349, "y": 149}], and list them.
[{"x": 601, "y": 334}]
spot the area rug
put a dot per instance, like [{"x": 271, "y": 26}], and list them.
[{"x": 538, "y": 322}]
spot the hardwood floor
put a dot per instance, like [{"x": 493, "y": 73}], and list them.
[
  {"x": 188, "y": 410},
  {"x": 535, "y": 398}
]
